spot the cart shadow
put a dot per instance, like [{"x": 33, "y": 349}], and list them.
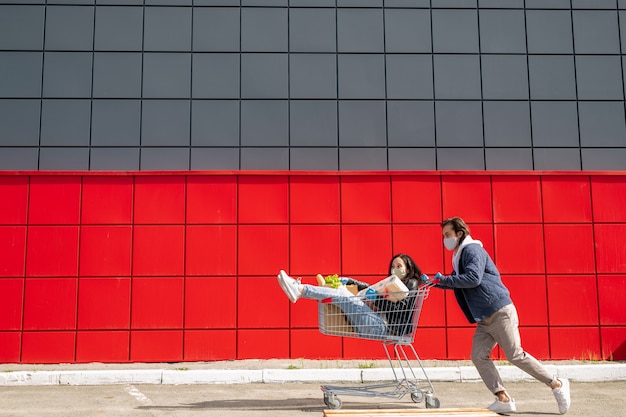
[{"x": 295, "y": 404}]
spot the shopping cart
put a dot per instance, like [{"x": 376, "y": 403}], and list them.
[{"x": 334, "y": 322}]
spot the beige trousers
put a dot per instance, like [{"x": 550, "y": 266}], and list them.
[{"x": 502, "y": 328}]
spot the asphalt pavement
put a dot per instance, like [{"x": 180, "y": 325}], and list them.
[{"x": 284, "y": 388}]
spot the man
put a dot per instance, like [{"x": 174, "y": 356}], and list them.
[{"x": 485, "y": 300}]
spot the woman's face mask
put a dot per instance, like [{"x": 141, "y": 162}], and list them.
[{"x": 399, "y": 272}]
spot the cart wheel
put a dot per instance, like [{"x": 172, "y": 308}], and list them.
[
  {"x": 332, "y": 401},
  {"x": 432, "y": 402},
  {"x": 417, "y": 397}
]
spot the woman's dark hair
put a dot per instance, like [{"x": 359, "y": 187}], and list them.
[
  {"x": 458, "y": 225},
  {"x": 413, "y": 270}
]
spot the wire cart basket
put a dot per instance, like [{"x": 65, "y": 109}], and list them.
[{"x": 400, "y": 322}]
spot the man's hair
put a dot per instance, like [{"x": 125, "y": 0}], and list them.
[{"x": 458, "y": 225}]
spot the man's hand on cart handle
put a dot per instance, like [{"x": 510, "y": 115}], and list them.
[{"x": 434, "y": 281}]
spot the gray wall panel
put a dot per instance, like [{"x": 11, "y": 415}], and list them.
[
  {"x": 411, "y": 123},
  {"x": 63, "y": 158},
  {"x": 555, "y": 123},
  {"x": 459, "y": 123},
  {"x": 19, "y": 122},
  {"x": 115, "y": 122},
  {"x": 214, "y": 158},
  {"x": 69, "y": 28},
  {"x": 65, "y": 122},
  {"x": 165, "y": 123},
  {"x": 21, "y": 74},
  {"x": 215, "y": 123},
  {"x": 21, "y": 27},
  {"x": 118, "y": 29},
  {"x": 264, "y": 123},
  {"x": 567, "y": 159},
  {"x": 313, "y": 123},
  {"x": 312, "y": 84},
  {"x": 170, "y": 159},
  {"x": 362, "y": 123},
  {"x": 122, "y": 159},
  {"x": 314, "y": 159}
]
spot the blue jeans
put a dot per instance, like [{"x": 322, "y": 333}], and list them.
[{"x": 366, "y": 322}]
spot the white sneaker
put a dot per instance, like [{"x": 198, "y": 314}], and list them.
[
  {"x": 503, "y": 407},
  {"x": 289, "y": 286},
  {"x": 562, "y": 396}
]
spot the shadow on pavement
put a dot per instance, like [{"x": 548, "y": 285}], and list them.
[{"x": 296, "y": 404}]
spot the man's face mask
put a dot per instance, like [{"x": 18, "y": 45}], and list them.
[{"x": 450, "y": 242}]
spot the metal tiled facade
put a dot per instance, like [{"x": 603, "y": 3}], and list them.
[{"x": 312, "y": 85}]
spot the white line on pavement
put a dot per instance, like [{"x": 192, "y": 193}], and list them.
[{"x": 138, "y": 395}]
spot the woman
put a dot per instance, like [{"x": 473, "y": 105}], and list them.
[
  {"x": 485, "y": 300},
  {"x": 361, "y": 313}
]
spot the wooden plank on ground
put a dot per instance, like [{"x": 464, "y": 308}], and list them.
[{"x": 407, "y": 412}]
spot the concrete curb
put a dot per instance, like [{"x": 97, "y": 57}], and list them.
[{"x": 581, "y": 373}]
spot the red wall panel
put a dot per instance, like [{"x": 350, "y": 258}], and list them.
[
  {"x": 519, "y": 248},
  {"x": 13, "y": 250},
  {"x": 365, "y": 249},
  {"x": 10, "y": 347},
  {"x": 566, "y": 199},
  {"x": 613, "y": 343},
  {"x": 421, "y": 242},
  {"x": 416, "y": 199},
  {"x": 572, "y": 300},
  {"x": 176, "y": 266},
  {"x": 608, "y": 198},
  {"x": 262, "y": 249},
  {"x": 108, "y": 346},
  {"x": 516, "y": 199},
  {"x": 158, "y": 250},
  {"x": 569, "y": 248},
  {"x": 262, "y": 344},
  {"x": 611, "y": 296},
  {"x": 211, "y": 303},
  {"x": 263, "y": 200},
  {"x": 210, "y": 345},
  {"x": 211, "y": 250},
  {"x": 260, "y": 304},
  {"x": 104, "y": 303},
  {"x": 54, "y": 200},
  {"x": 159, "y": 200},
  {"x": 50, "y": 303},
  {"x": 467, "y": 196},
  {"x": 15, "y": 190},
  {"x": 211, "y": 199},
  {"x": 314, "y": 249},
  {"x": 105, "y": 250},
  {"x": 314, "y": 199},
  {"x": 107, "y": 200},
  {"x": 578, "y": 343},
  {"x": 48, "y": 347},
  {"x": 156, "y": 346},
  {"x": 157, "y": 303},
  {"x": 365, "y": 199},
  {"x": 52, "y": 251},
  {"x": 609, "y": 247},
  {"x": 11, "y": 304},
  {"x": 311, "y": 344}
]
